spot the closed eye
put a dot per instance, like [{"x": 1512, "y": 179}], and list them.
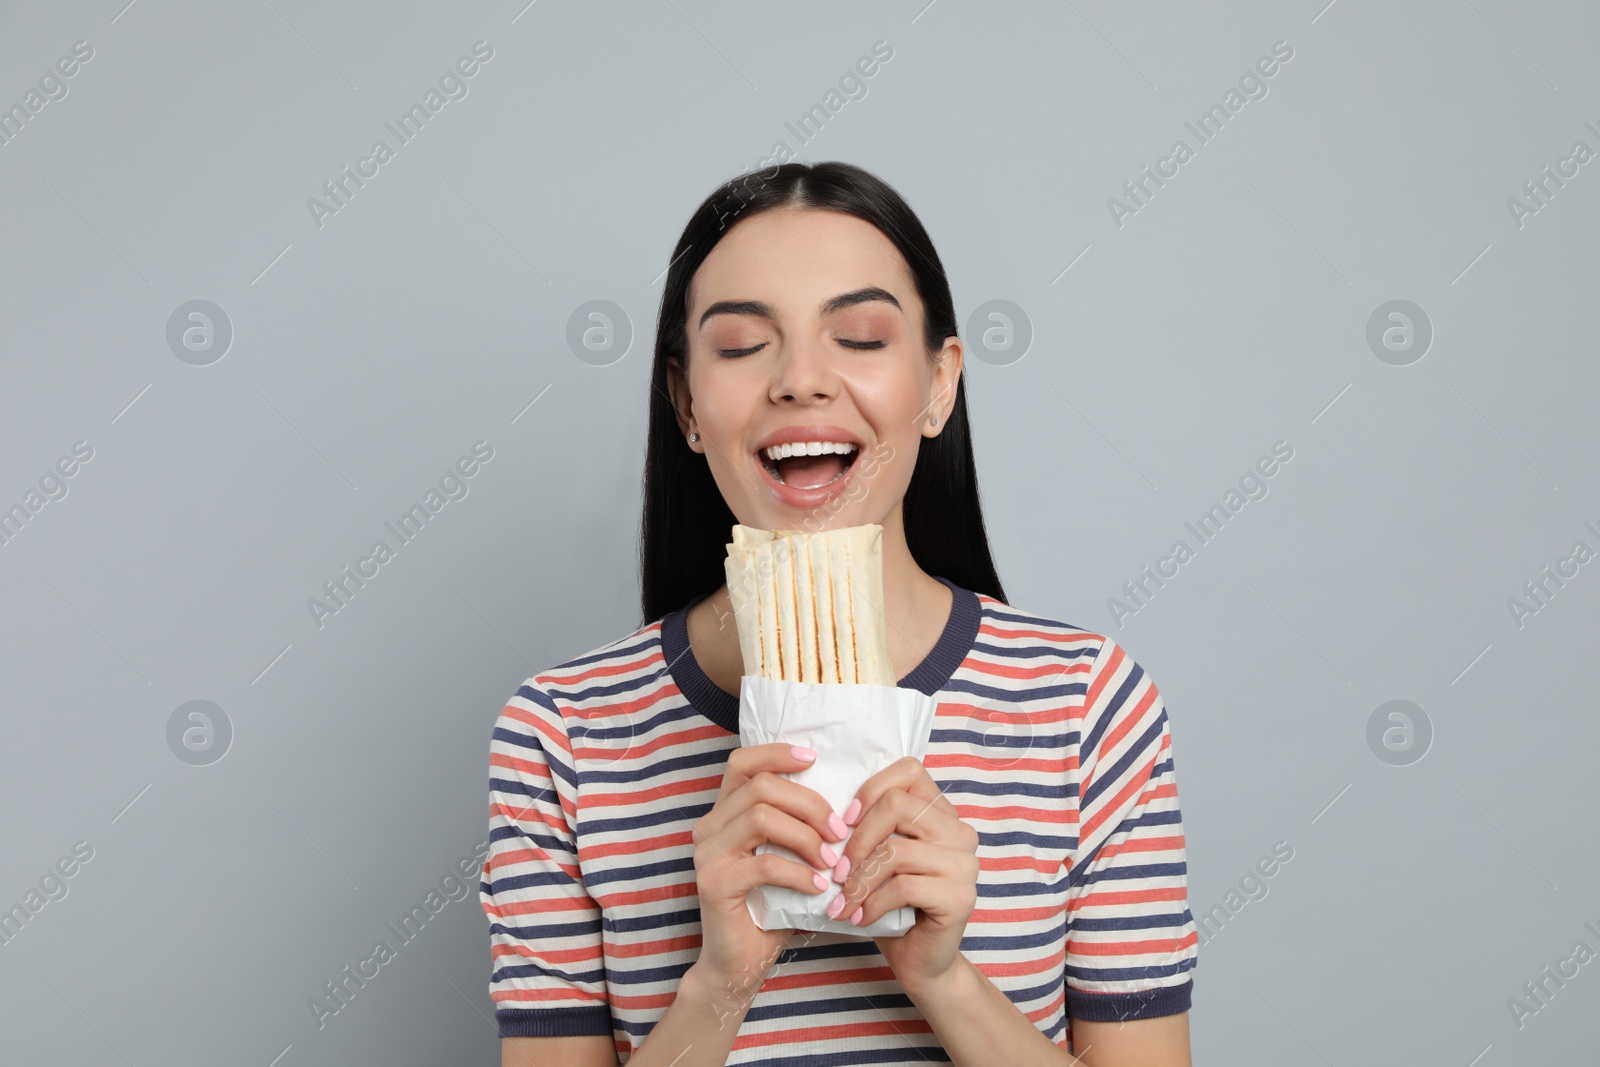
[{"x": 735, "y": 353}]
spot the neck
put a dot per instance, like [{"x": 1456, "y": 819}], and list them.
[{"x": 915, "y": 604}]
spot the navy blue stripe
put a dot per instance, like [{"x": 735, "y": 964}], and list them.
[
  {"x": 615, "y": 650},
  {"x": 1005, "y": 735},
  {"x": 1033, "y": 651},
  {"x": 1148, "y": 743},
  {"x": 1134, "y": 923},
  {"x": 589, "y": 928},
  {"x": 554, "y": 1022},
  {"x": 1114, "y": 1007},
  {"x": 1036, "y": 621}
]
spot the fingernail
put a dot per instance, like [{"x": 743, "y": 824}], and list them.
[
  {"x": 803, "y": 753},
  {"x": 836, "y": 906},
  {"x": 829, "y": 857},
  {"x": 841, "y": 869},
  {"x": 822, "y": 883},
  {"x": 837, "y": 825},
  {"x": 853, "y": 812},
  {"x": 855, "y": 917}
]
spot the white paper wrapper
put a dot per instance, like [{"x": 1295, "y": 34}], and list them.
[{"x": 857, "y": 730}]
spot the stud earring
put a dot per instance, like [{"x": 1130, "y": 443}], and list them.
[
  {"x": 694, "y": 437},
  {"x": 934, "y": 421}
]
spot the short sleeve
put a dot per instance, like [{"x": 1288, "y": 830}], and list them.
[
  {"x": 549, "y": 976},
  {"x": 1131, "y": 940}
]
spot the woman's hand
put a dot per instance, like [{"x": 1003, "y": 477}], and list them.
[
  {"x": 910, "y": 848},
  {"x": 756, "y": 806}
]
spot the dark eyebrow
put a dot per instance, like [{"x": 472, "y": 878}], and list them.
[{"x": 762, "y": 310}]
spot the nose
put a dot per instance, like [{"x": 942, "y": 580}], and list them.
[{"x": 802, "y": 373}]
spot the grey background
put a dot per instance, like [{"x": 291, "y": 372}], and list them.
[{"x": 370, "y": 354}]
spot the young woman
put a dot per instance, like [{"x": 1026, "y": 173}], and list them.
[{"x": 1039, "y": 839}]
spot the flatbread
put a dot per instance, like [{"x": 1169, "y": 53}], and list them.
[
  {"x": 822, "y": 591},
  {"x": 809, "y": 606}
]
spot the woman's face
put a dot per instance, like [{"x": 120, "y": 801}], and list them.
[{"x": 805, "y": 329}]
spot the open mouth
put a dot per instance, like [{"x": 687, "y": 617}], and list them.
[{"x": 809, "y": 464}]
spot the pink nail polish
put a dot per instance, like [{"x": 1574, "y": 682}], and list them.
[
  {"x": 855, "y": 918},
  {"x": 853, "y": 812},
  {"x": 837, "y": 825},
  {"x": 836, "y": 906},
  {"x": 842, "y": 870},
  {"x": 822, "y": 883},
  {"x": 829, "y": 856}
]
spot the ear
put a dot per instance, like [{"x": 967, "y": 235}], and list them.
[
  {"x": 682, "y": 402},
  {"x": 946, "y": 376}
]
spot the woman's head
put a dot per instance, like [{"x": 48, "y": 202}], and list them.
[{"x": 806, "y": 303}]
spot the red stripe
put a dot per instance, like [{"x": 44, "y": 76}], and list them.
[
  {"x": 612, "y": 710},
  {"x": 1053, "y": 766},
  {"x": 982, "y": 813},
  {"x": 540, "y": 724},
  {"x": 549, "y": 905},
  {"x": 517, "y": 815},
  {"x": 614, "y": 748},
  {"x": 636, "y": 847},
  {"x": 831, "y": 1032},
  {"x": 1110, "y": 806},
  {"x": 1000, "y": 916},
  {"x": 1006, "y": 670},
  {"x": 1053, "y": 637},
  {"x": 1142, "y": 844},
  {"x": 1132, "y": 718},
  {"x": 531, "y": 997},
  {"x": 591, "y": 954},
  {"x": 1091, "y": 698},
  {"x": 1106, "y": 898},
  {"x": 711, "y": 784},
  {"x": 1130, "y": 948},
  {"x": 602, "y": 669}
]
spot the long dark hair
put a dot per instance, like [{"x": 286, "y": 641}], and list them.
[{"x": 687, "y": 524}]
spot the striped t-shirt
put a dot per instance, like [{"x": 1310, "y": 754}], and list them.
[{"x": 1049, "y": 739}]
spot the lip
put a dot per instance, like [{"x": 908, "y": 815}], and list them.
[{"x": 802, "y": 499}]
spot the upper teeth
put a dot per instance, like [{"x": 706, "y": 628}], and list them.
[{"x": 809, "y": 448}]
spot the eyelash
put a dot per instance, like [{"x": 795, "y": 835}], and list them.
[{"x": 735, "y": 353}]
